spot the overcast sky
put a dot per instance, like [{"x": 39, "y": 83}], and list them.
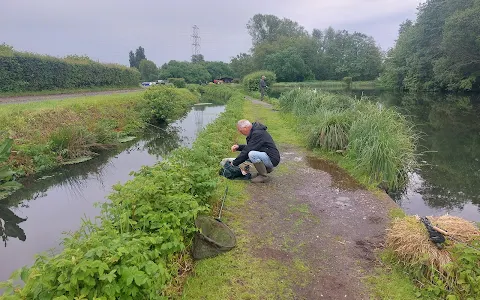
[{"x": 107, "y": 30}]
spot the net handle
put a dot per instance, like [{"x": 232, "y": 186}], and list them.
[{"x": 223, "y": 201}]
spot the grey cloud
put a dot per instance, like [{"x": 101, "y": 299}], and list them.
[{"x": 106, "y": 30}]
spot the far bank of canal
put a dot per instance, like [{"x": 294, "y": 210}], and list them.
[{"x": 33, "y": 219}]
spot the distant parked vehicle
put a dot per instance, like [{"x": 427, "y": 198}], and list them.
[{"x": 147, "y": 84}]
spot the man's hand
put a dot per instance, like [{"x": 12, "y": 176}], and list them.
[{"x": 234, "y": 148}]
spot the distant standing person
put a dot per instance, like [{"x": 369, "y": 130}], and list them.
[{"x": 263, "y": 86}]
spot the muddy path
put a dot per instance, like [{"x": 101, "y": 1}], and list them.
[{"x": 24, "y": 99}]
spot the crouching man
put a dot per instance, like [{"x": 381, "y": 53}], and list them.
[{"x": 260, "y": 149}]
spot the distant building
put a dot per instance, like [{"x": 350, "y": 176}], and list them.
[{"x": 223, "y": 80}]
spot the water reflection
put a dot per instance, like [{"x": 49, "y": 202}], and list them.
[
  {"x": 33, "y": 219},
  {"x": 9, "y": 225},
  {"x": 448, "y": 179}
]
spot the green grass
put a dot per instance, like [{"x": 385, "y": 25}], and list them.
[
  {"x": 392, "y": 284},
  {"x": 282, "y": 127},
  {"x": 328, "y": 84},
  {"x": 7, "y": 109},
  {"x": 46, "y": 132},
  {"x": 237, "y": 274},
  {"x": 66, "y": 91},
  {"x": 396, "y": 213}
]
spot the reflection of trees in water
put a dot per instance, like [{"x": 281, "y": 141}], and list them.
[
  {"x": 74, "y": 178},
  {"x": 9, "y": 225},
  {"x": 198, "y": 111},
  {"x": 160, "y": 142},
  {"x": 450, "y": 145}
]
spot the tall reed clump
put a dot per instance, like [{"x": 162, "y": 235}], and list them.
[
  {"x": 379, "y": 142},
  {"x": 139, "y": 244},
  {"x": 382, "y": 144}
]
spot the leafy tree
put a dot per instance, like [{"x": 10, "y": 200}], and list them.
[
  {"x": 289, "y": 65},
  {"x": 440, "y": 51},
  {"x": 192, "y": 73},
  {"x": 283, "y": 46},
  {"x": 148, "y": 70},
  {"x": 218, "y": 69},
  {"x": 242, "y": 64},
  {"x": 268, "y": 28},
  {"x": 136, "y": 58},
  {"x": 198, "y": 58}
]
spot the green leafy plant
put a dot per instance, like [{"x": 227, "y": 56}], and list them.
[
  {"x": 134, "y": 250},
  {"x": 165, "y": 103},
  {"x": 251, "y": 81},
  {"x": 7, "y": 185},
  {"x": 178, "y": 82}
]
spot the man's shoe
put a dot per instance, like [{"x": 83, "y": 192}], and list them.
[
  {"x": 262, "y": 173},
  {"x": 260, "y": 179}
]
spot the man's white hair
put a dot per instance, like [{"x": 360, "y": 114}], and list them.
[{"x": 243, "y": 124}]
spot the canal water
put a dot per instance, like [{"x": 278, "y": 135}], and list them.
[
  {"x": 448, "y": 178},
  {"x": 33, "y": 219}
]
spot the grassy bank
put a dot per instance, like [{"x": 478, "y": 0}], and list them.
[
  {"x": 376, "y": 145},
  {"x": 66, "y": 91},
  {"x": 51, "y": 133},
  {"x": 139, "y": 247},
  {"x": 328, "y": 84}
]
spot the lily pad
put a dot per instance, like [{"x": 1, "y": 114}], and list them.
[
  {"x": 77, "y": 160},
  {"x": 126, "y": 139}
]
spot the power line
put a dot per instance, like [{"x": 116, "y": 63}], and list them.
[{"x": 196, "y": 41}]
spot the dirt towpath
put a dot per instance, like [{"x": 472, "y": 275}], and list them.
[
  {"x": 24, "y": 99},
  {"x": 313, "y": 219}
]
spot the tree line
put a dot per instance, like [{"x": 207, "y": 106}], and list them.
[
  {"x": 439, "y": 51},
  {"x": 286, "y": 48},
  {"x": 197, "y": 71}
]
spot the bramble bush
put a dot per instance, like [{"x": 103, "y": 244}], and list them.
[
  {"x": 21, "y": 72},
  {"x": 166, "y": 103},
  {"x": 251, "y": 81},
  {"x": 142, "y": 231}
]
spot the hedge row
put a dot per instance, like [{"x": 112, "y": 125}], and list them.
[
  {"x": 22, "y": 72},
  {"x": 143, "y": 230}
]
